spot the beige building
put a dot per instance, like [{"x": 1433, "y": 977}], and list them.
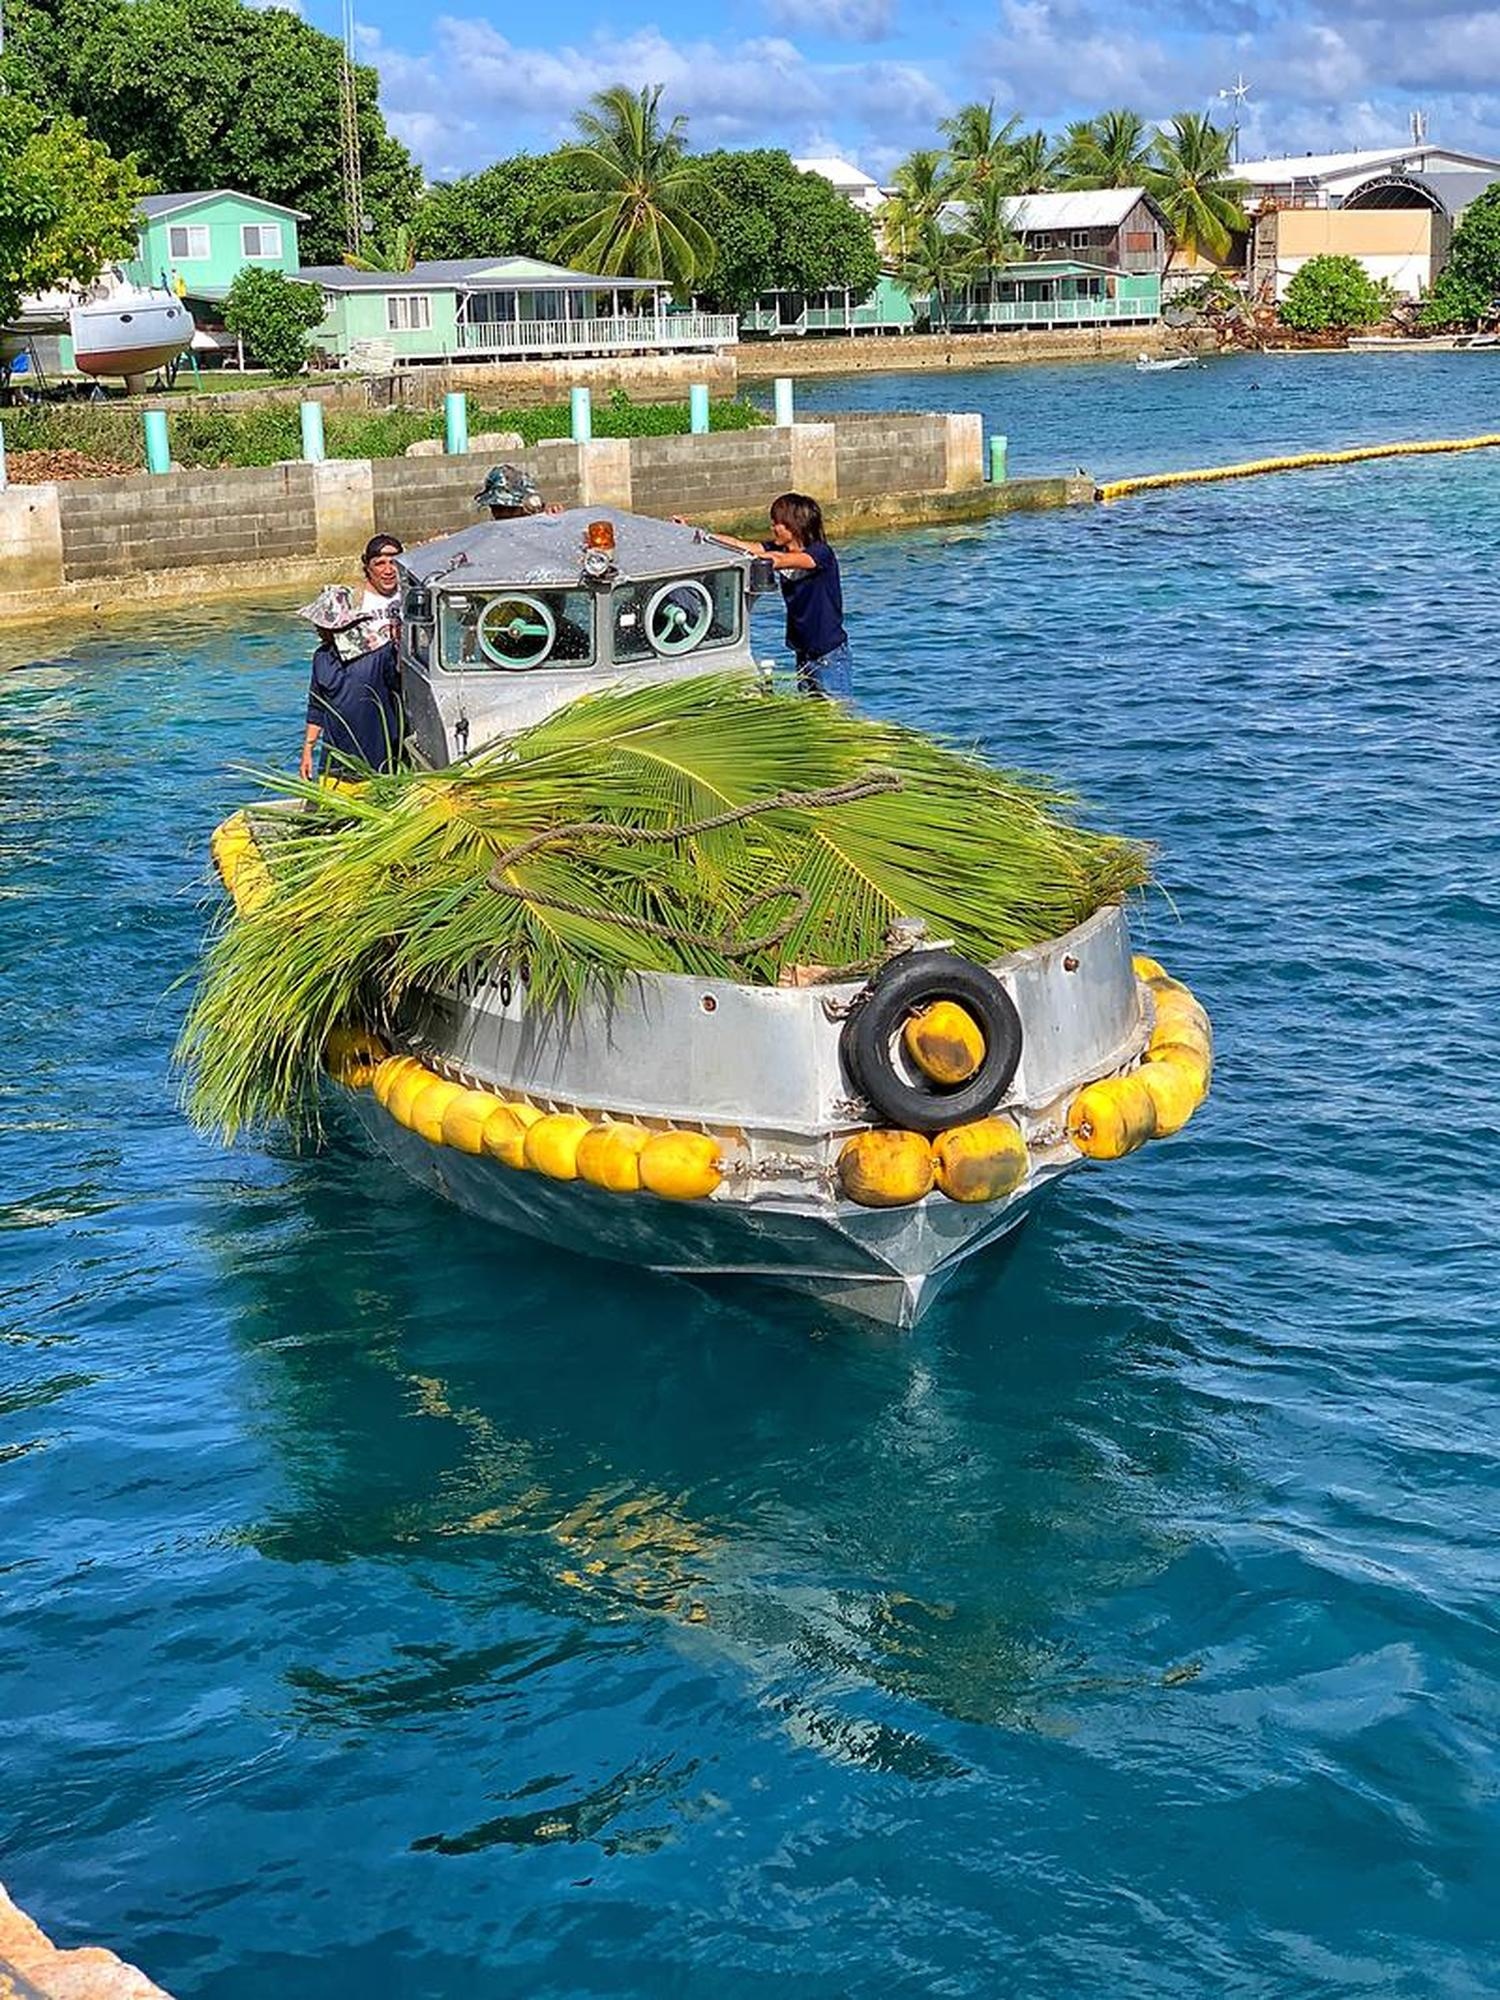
[{"x": 1406, "y": 247}]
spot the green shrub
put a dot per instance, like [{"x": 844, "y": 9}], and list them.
[
  {"x": 273, "y": 315},
  {"x": 1470, "y": 284},
  {"x": 1331, "y": 293},
  {"x": 266, "y": 433}
]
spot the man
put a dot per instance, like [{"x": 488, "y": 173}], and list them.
[
  {"x": 510, "y": 493},
  {"x": 380, "y": 603},
  {"x": 354, "y": 714}
]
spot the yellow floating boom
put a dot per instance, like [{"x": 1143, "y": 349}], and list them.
[{"x": 1116, "y": 489}]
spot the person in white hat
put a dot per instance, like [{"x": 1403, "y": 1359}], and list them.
[{"x": 354, "y": 719}]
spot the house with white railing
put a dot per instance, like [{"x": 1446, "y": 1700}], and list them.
[{"x": 499, "y": 308}]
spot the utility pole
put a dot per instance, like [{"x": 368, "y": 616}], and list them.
[{"x": 354, "y": 203}]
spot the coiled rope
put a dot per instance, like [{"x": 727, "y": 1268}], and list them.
[{"x": 1117, "y": 489}]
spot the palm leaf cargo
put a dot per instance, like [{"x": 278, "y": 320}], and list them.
[{"x": 641, "y": 957}]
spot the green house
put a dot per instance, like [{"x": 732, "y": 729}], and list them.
[
  {"x": 1045, "y": 294},
  {"x": 199, "y": 243},
  {"x": 494, "y": 307}
]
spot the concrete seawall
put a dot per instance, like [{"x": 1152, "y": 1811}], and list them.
[
  {"x": 87, "y": 547},
  {"x": 873, "y": 354}
]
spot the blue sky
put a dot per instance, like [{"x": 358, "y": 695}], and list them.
[{"x": 464, "y": 84}]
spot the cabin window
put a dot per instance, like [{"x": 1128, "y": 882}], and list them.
[
  {"x": 517, "y": 631},
  {"x": 260, "y": 239},
  {"x": 1081, "y": 239},
  {"x": 1139, "y": 241},
  {"x": 408, "y": 312},
  {"x": 187, "y": 243},
  {"x": 666, "y": 618}
]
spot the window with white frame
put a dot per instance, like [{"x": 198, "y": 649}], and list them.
[
  {"x": 408, "y": 312},
  {"x": 260, "y": 239},
  {"x": 187, "y": 243}
]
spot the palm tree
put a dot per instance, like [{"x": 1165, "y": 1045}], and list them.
[
  {"x": 938, "y": 262},
  {"x": 985, "y": 237},
  {"x": 1110, "y": 151},
  {"x": 632, "y": 211},
  {"x": 920, "y": 186},
  {"x": 1033, "y": 163},
  {"x": 1195, "y": 187},
  {"x": 397, "y": 253},
  {"x": 978, "y": 148}
]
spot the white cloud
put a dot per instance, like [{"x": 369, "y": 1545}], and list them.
[
  {"x": 475, "y": 96},
  {"x": 841, "y": 20}
]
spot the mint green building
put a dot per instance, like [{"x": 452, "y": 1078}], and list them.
[
  {"x": 1043, "y": 295},
  {"x": 199, "y": 243},
  {"x": 487, "y": 308}
]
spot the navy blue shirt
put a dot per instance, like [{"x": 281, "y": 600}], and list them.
[
  {"x": 814, "y": 605},
  {"x": 356, "y": 703}
]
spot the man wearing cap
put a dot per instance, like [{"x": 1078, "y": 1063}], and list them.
[
  {"x": 354, "y": 703},
  {"x": 381, "y": 599},
  {"x": 510, "y": 493}
]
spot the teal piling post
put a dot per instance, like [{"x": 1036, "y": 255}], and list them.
[
  {"x": 2, "y": 458},
  {"x": 158, "y": 449},
  {"x": 582, "y": 404},
  {"x": 455, "y": 423},
  {"x": 782, "y": 393},
  {"x": 698, "y": 408},
  {"x": 312, "y": 433},
  {"x": 998, "y": 449}
]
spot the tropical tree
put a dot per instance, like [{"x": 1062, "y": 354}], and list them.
[
  {"x": 214, "y": 93},
  {"x": 937, "y": 262},
  {"x": 503, "y": 210},
  {"x": 984, "y": 238},
  {"x": 1466, "y": 291},
  {"x": 1111, "y": 150},
  {"x": 979, "y": 150},
  {"x": 1032, "y": 163},
  {"x": 396, "y": 253},
  {"x": 273, "y": 315},
  {"x": 1329, "y": 294},
  {"x": 636, "y": 211},
  {"x": 921, "y": 185},
  {"x": 67, "y": 206},
  {"x": 1194, "y": 186},
  {"x": 779, "y": 230}
]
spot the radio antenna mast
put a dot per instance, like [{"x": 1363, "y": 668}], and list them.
[{"x": 354, "y": 202}]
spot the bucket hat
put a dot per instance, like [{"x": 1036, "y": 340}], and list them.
[
  {"x": 509, "y": 486},
  {"x": 334, "y": 609}
]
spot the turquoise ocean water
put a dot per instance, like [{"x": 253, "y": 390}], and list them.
[{"x": 397, "y": 1608}]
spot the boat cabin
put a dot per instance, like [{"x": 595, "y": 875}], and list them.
[{"x": 503, "y": 622}]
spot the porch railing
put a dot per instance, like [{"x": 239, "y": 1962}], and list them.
[
  {"x": 573, "y": 336},
  {"x": 957, "y": 314}
]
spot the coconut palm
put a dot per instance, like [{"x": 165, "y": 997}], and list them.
[
  {"x": 1195, "y": 187},
  {"x": 984, "y": 236},
  {"x": 1032, "y": 163},
  {"x": 979, "y": 150},
  {"x": 633, "y": 208},
  {"x": 1110, "y": 151},
  {"x": 920, "y": 186},
  {"x": 938, "y": 262}
]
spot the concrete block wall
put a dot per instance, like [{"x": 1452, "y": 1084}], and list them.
[
  {"x": 194, "y": 534},
  {"x": 186, "y": 520}
]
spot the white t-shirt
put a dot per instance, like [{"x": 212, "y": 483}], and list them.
[{"x": 379, "y": 614}]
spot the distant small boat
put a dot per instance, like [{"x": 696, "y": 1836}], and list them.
[{"x": 1147, "y": 365}]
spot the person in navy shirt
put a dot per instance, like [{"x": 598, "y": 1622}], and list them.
[
  {"x": 354, "y": 716},
  {"x": 808, "y": 571}
]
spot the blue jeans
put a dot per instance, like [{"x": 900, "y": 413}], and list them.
[{"x": 832, "y": 677}]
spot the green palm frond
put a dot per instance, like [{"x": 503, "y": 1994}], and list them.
[{"x": 393, "y": 886}]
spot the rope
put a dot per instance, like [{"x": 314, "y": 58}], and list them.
[
  {"x": 1117, "y": 489},
  {"x": 730, "y": 947}
]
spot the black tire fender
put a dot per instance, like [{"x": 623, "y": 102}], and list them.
[{"x": 868, "y": 1040}]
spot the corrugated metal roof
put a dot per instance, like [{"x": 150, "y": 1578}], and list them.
[
  {"x": 465, "y": 274},
  {"x": 838, "y": 171},
  {"x": 1083, "y": 208},
  {"x": 1331, "y": 166},
  {"x": 154, "y": 206}
]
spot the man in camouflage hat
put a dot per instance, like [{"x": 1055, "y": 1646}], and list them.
[
  {"x": 510, "y": 493},
  {"x": 354, "y": 717}
]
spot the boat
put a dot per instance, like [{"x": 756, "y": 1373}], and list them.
[
  {"x": 795, "y": 1133},
  {"x": 1147, "y": 364},
  {"x": 117, "y": 328}
]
